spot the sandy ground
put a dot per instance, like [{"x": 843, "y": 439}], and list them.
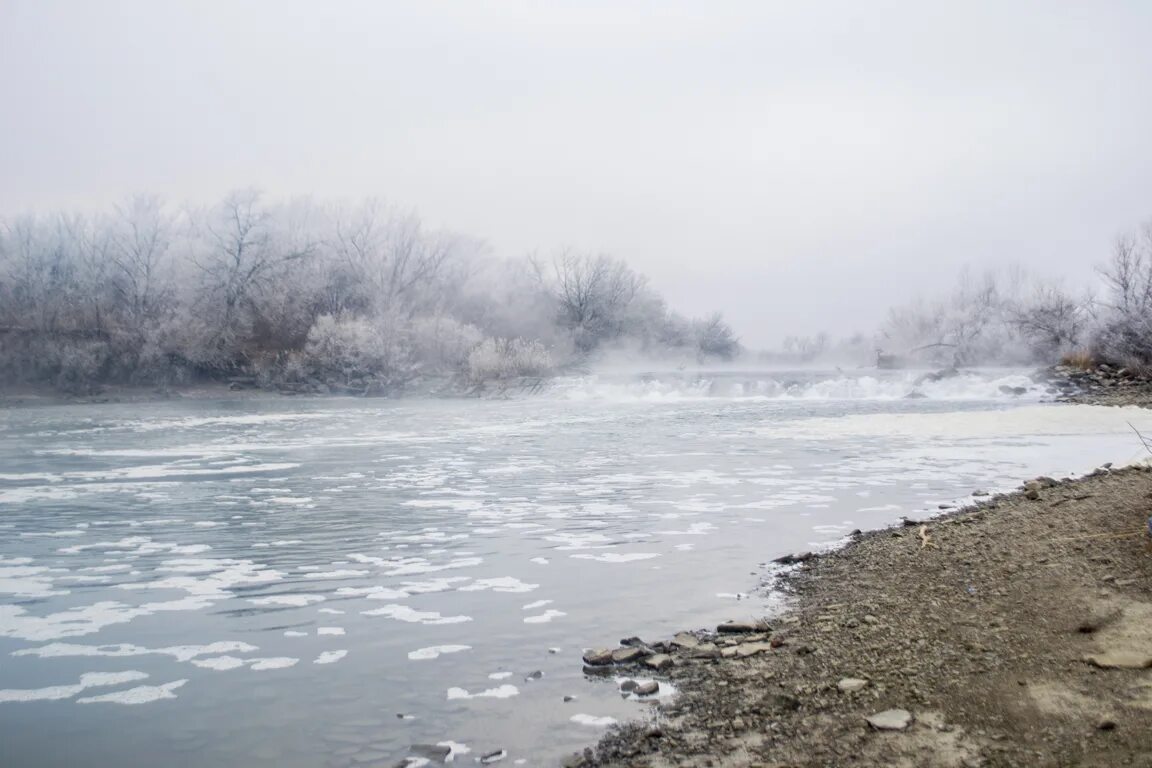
[{"x": 1020, "y": 635}]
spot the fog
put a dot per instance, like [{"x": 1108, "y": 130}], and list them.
[{"x": 803, "y": 166}]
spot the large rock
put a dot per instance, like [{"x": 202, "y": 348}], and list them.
[
  {"x": 599, "y": 657},
  {"x": 658, "y": 662},
  {"x": 686, "y": 640},
  {"x": 627, "y": 655},
  {"x": 740, "y": 627},
  {"x": 744, "y": 650},
  {"x": 890, "y": 720}
]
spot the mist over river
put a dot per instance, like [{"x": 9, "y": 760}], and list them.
[{"x": 326, "y": 582}]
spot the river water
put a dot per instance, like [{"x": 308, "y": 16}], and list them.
[{"x": 327, "y": 582}]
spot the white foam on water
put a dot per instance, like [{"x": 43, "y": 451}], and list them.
[
  {"x": 435, "y": 651},
  {"x": 330, "y": 657},
  {"x": 410, "y": 615},
  {"x": 544, "y": 618},
  {"x": 276, "y": 662},
  {"x": 178, "y": 652},
  {"x": 501, "y": 692},
  {"x": 535, "y": 605},
  {"x": 27, "y": 581},
  {"x": 144, "y": 694},
  {"x": 539, "y": 560},
  {"x": 329, "y": 631},
  {"x": 337, "y": 574},
  {"x": 58, "y": 692},
  {"x": 333, "y": 611},
  {"x": 592, "y": 720},
  {"x": 500, "y": 584},
  {"x": 292, "y": 600},
  {"x": 499, "y": 675},
  {"x": 220, "y": 663},
  {"x": 618, "y": 557}
]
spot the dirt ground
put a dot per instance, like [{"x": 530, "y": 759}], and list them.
[{"x": 1020, "y": 634}]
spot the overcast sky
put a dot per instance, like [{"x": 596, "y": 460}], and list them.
[{"x": 800, "y": 165}]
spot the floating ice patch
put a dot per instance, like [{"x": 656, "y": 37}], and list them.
[
  {"x": 58, "y": 692},
  {"x": 330, "y": 630},
  {"x": 337, "y": 574},
  {"x": 501, "y": 584},
  {"x": 436, "y": 651},
  {"x": 535, "y": 605},
  {"x": 695, "y": 529},
  {"x": 599, "y": 722},
  {"x": 276, "y": 662},
  {"x": 294, "y": 600},
  {"x": 294, "y": 633},
  {"x": 144, "y": 694},
  {"x": 333, "y": 611},
  {"x": 373, "y": 593},
  {"x": 178, "y": 652},
  {"x": 539, "y": 560},
  {"x": 545, "y": 617},
  {"x": 618, "y": 557},
  {"x": 330, "y": 657},
  {"x": 499, "y": 675},
  {"x": 220, "y": 663},
  {"x": 27, "y": 581},
  {"x": 404, "y": 613},
  {"x": 501, "y": 692}
]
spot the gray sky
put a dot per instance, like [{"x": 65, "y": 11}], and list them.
[{"x": 800, "y": 165}]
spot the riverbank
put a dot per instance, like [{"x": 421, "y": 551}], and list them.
[{"x": 1017, "y": 632}]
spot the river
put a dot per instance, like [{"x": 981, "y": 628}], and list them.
[{"x": 327, "y": 582}]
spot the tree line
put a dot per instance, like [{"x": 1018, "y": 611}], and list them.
[
  {"x": 356, "y": 297},
  {"x": 1011, "y": 317}
]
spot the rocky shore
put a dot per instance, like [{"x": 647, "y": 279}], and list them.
[
  {"x": 1015, "y": 632},
  {"x": 1099, "y": 385}
]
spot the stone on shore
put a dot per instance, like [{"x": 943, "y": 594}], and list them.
[
  {"x": 647, "y": 689},
  {"x": 627, "y": 655},
  {"x": 852, "y": 684},
  {"x": 600, "y": 657},
  {"x": 739, "y": 627},
  {"x": 686, "y": 640},
  {"x": 658, "y": 662},
  {"x": 890, "y": 720}
]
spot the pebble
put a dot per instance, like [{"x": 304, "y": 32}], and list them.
[
  {"x": 890, "y": 720},
  {"x": 852, "y": 684},
  {"x": 628, "y": 685}
]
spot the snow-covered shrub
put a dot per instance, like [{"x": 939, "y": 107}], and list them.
[
  {"x": 441, "y": 343},
  {"x": 508, "y": 358},
  {"x": 354, "y": 347}
]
